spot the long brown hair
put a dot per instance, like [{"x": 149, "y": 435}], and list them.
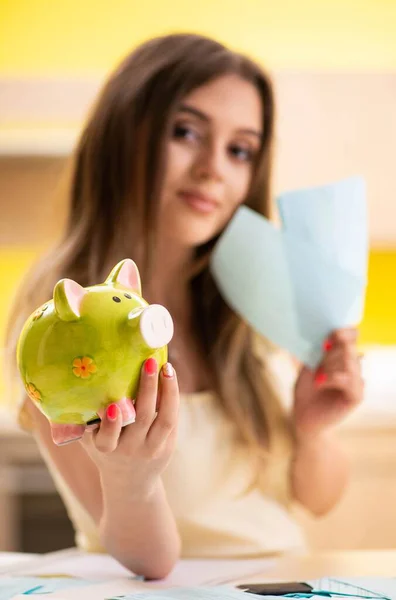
[{"x": 116, "y": 178}]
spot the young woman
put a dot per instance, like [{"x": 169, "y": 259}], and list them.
[{"x": 180, "y": 136}]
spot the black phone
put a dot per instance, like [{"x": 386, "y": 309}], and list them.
[{"x": 276, "y": 589}]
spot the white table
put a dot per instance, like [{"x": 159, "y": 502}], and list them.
[{"x": 112, "y": 578}]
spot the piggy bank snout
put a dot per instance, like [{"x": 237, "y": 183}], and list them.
[{"x": 156, "y": 326}]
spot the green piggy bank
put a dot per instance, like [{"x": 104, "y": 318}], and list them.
[{"x": 84, "y": 350}]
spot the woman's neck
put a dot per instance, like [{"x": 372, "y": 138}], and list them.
[
  {"x": 169, "y": 280},
  {"x": 169, "y": 286}
]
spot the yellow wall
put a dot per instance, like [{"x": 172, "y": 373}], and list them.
[
  {"x": 81, "y": 36},
  {"x": 379, "y": 323}
]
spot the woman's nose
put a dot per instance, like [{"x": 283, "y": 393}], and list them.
[{"x": 210, "y": 163}]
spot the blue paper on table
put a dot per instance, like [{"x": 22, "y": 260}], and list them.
[
  {"x": 358, "y": 588},
  {"x": 367, "y": 588},
  {"x": 190, "y": 593},
  {"x": 296, "y": 284},
  {"x": 29, "y": 586}
]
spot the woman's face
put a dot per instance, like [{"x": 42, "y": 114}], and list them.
[{"x": 216, "y": 136}]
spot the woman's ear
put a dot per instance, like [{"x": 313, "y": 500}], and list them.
[
  {"x": 68, "y": 296},
  {"x": 126, "y": 274}
]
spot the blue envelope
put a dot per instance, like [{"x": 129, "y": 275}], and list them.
[{"x": 296, "y": 284}]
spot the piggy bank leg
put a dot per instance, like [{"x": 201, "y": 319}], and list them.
[
  {"x": 156, "y": 326},
  {"x": 65, "y": 433}
]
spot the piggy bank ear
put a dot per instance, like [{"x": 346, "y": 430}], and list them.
[
  {"x": 126, "y": 273},
  {"x": 68, "y": 296}
]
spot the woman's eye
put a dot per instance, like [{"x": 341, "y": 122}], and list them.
[
  {"x": 184, "y": 132},
  {"x": 242, "y": 154}
]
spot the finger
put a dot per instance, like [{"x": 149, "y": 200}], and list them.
[
  {"x": 352, "y": 386},
  {"x": 146, "y": 400},
  {"x": 347, "y": 335},
  {"x": 168, "y": 409},
  {"x": 106, "y": 438},
  {"x": 127, "y": 410},
  {"x": 341, "y": 359}
]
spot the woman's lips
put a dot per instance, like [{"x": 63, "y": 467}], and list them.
[{"x": 198, "y": 201}]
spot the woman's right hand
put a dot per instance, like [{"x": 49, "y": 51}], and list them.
[{"x": 134, "y": 456}]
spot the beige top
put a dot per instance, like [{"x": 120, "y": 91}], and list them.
[{"x": 207, "y": 484}]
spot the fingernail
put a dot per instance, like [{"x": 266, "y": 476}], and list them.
[
  {"x": 320, "y": 378},
  {"x": 150, "y": 366},
  {"x": 111, "y": 412},
  {"x": 327, "y": 345},
  {"x": 168, "y": 370},
  {"x": 127, "y": 410}
]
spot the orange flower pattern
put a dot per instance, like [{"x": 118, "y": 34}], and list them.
[
  {"x": 33, "y": 392},
  {"x": 84, "y": 367}
]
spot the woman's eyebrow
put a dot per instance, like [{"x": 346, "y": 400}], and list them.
[
  {"x": 252, "y": 132},
  {"x": 206, "y": 119},
  {"x": 194, "y": 111}
]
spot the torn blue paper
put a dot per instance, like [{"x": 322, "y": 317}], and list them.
[
  {"x": 296, "y": 284},
  {"x": 332, "y": 217}
]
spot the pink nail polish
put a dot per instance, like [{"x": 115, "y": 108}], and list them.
[
  {"x": 111, "y": 412},
  {"x": 150, "y": 366},
  {"x": 320, "y": 378}
]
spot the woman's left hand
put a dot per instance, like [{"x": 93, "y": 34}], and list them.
[{"x": 324, "y": 397}]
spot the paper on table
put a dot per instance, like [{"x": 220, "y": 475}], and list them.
[
  {"x": 98, "y": 591},
  {"x": 215, "y": 571},
  {"x": 113, "y": 579},
  {"x": 191, "y": 593},
  {"x": 290, "y": 285},
  {"x": 363, "y": 587},
  {"x": 10, "y": 586},
  {"x": 75, "y": 563},
  {"x": 214, "y": 593},
  {"x": 102, "y": 567}
]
